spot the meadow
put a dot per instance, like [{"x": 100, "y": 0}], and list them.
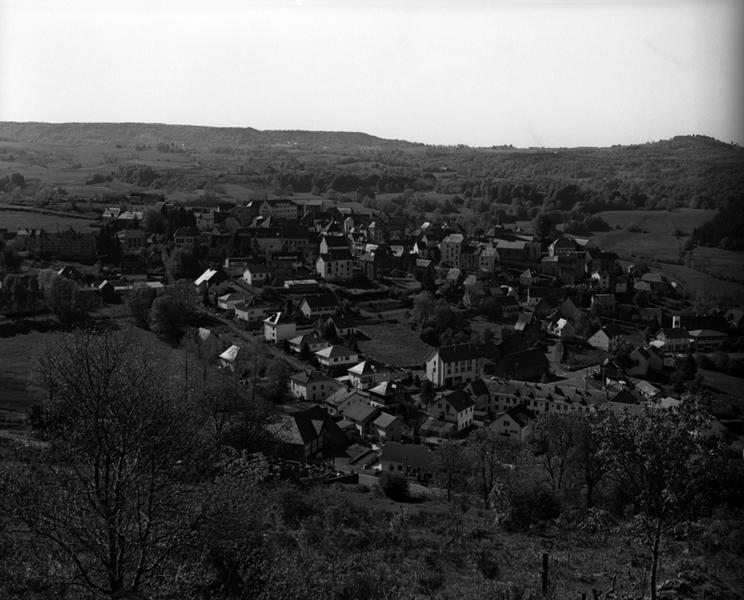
[{"x": 13, "y": 220}]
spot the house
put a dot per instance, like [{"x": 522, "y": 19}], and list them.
[
  {"x": 229, "y": 301},
  {"x": 313, "y": 386},
  {"x": 367, "y": 374},
  {"x": 361, "y": 415},
  {"x": 561, "y": 328},
  {"x": 278, "y": 327},
  {"x": 413, "y": 460},
  {"x": 343, "y": 325},
  {"x": 229, "y": 358},
  {"x": 386, "y": 394},
  {"x": 301, "y": 286},
  {"x": 452, "y": 365},
  {"x": 338, "y": 401},
  {"x": 186, "y": 236},
  {"x": 604, "y": 303},
  {"x": 705, "y": 340},
  {"x": 517, "y": 251},
  {"x": 451, "y": 249},
  {"x": 318, "y": 305},
  {"x": 310, "y": 340},
  {"x": 302, "y": 434},
  {"x": 209, "y": 278},
  {"x": 336, "y": 356},
  {"x": 674, "y": 339},
  {"x": 608, "y": 338},
  {"x": 508, "y": 306},
  {"x": 527, "y": 278},
  {"x": 387, "y": 428},
  {"x": 132, "y": 240},
  {"x": 250, "y": 310},
  {"x": 528, "y": 364},
  {"x": 602, "y": 280},
  {"x": 454, "y": 407},
  {"x": 235, "y": 265},
  {"x": 257, "y": 274},
  {"x": 336, "y": 265},
  {"x": 513, "y": 422},
  {"x": 279, "y": 209}
]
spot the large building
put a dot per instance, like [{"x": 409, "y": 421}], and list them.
[{"x": 452, "y": 365}]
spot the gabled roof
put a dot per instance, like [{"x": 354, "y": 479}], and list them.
[
  {"x": 455, "y": 352},
  {"x": 336, "y": 350},
  {"x": 231, "y": 353},
  {"x": 360, "y": 412},
  {"x": 673, "y": 333},
  {"x": 321, "y": 301},
  {"x": 459, "y": 400},
  {"x": 206, "y": 276},
  {"x": 384, "y": 420},
  {"x": 307, "y": 377},
  {"x": 365, "y": 367}
]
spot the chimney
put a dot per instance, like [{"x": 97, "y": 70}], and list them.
[{"x": 676, "y": 321}]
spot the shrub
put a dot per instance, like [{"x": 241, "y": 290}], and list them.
[{"x": 394, "y": 485}]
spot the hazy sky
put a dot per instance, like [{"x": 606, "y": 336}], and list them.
[{"x": 528, "y": 73}]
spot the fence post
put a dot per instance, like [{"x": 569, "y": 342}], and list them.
[{"x": 545, "y": 574}]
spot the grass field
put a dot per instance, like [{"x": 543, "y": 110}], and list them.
[
  {"x": 396, "y": 345},
  {"x": 18, "y": 354},
  {"x": 12, "y": 220}
]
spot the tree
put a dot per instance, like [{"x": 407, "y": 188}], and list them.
[
  {"x": 166, "y": 318},
  {"x": 664, "y": 462},
  {"x": 139, "y": 301},
  {"x": 554, "y": 441},
  {"x": 394, "y": 485},
  {"x": 542, "y": 226},
  {"x": 62, "y": 296},
  {"x": 449, "y": 465},
  {"x": 489, "y": 456},
  {"x": 107, "y": 495},
  {"x": 590, "y": 462}
]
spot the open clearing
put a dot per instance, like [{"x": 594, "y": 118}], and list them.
[{"x": 396, "y": 345}]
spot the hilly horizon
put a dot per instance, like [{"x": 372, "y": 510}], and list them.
[{"x": 203, "y": 136}]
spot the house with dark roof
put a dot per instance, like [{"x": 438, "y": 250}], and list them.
[
  {"x": 301, "y": 434},
  {"x": 310, "y": 340},
  {"x": 336, "y": 357},
  {"x": 335, "y": 265},
  {"x": 412, "y": 460},
  {"x": 257, "y": 274},
  {"x": 452, "y": 365},
  {"x": 454, "y": 407},
  {"x": 186, "y": 236},
  {"x": 387, "y": 428},
  {"x": 317, "y": 305},
  {"x": 313, "y": 386},
  {"x": 362, "y": 415},
  {"x": 706, "y": 340},
  {"x": 513, "y": 422},
  {"x": 528, "y": 364},
  {"x": 608, "y": 338},
  {"x": 673, "y": 339}
]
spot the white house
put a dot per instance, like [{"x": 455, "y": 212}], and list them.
[
  {"x": 452, "y": 365},
  {"x": 705, "y": 340},
  {"x": 454, "y": 407},
  {"x": 336, "y": 356},
  {"x": 229, "y": 301},
  {"x": 257, "y": 274},
  {"x": 313, "y": 386},
  {"x": 278, "y": 327},
  {"x": 336, "y": 265},
  {"x": 318, "y": 305},
  {"x": 250, "y": 311}
]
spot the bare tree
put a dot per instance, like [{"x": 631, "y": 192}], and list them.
[{"x": 111, "y": 493}]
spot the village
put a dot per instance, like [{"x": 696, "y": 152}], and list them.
[{"x": 397, "y": 336}]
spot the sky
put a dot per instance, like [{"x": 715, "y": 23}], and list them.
[{"x": 552, "y": 73}]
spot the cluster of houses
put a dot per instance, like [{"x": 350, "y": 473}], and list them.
[{"x": 298, "y": 272}]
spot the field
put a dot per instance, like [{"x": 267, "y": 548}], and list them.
[
  {"x": 19, "y": 351},
  {"x": 657, "y": 242},
  {"x": 396, "y": 345},
  {"x": 12, "y": 220}
]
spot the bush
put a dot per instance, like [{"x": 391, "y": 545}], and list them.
[
  {"x": 394, "y": 485},
  {"x": 530, "y": 506}
]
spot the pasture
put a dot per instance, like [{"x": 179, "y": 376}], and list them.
[{"x": 13, "y": 220}]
